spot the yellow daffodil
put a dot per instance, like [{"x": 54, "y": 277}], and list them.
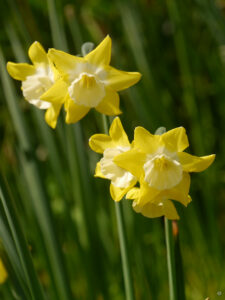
[
  {"x": 36, "y": 80},
  {"x": 3, "y": 273},
  {"x": 88, "y": 82},
  {"x": 161, "y": 166},
  {"x": 110, "y": 146}
]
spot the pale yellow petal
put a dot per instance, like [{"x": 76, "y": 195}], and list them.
[
  {"x": 74, "y": 112},
  {"x": 192, "y": 163},
  {"x": 176, "y": 139},
  {"x": 118, "y": 193},
  {"x": 118, "y": 134},
  {"x": 120, "y": 80},
  {"x": 149, "y": 210},
  {"x": 110, "y": 104},
  {"x": 98, "y": 172},
  {"x": 147, "y": 193},
  {"x": 132, "y": 161},
  {"x": 145, "y": 141},
  {"x": 133, "y": 193},
  {"x": 20, "y": 71},
  {"x": 170, "y": 211},
  {"x": 37, "y": 54},
  {"x": 100, "y": 142},
  {"x": 101, "y": 54},
  {"x": 52, "y": 114},
  {"x": 56, "y": 94},
  {"x": 63, "y": 61},
  {"x": 179, "y": 192}
]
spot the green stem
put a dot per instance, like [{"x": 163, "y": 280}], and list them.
[
  {"x": 171, "y": 260},
  {"x": 122, "y": 238}
]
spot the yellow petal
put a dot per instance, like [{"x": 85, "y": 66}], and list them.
[
  {"x": 74, "y": 112},
  {"x": 179, "y": 192},
  {"x": 52, "y": 114},
  {"x": 134, "y": 193},
  {"x": 63, "y": 61},
  {"x": 98, "y": 172},
  {"x": 56, "y": 94},
  {"x": 110, "y": 104},
  {"x": 37, "y": 54},
  {"x": 176, "y": 139},
  {"x": 117, "y": 193},
  {"x": 192, "y": 163},
  {"x": 118, "y": 134},
  {"x": 147, "y": 193},
  {"x": 100, "y": 142},
  {"x": 131, "y": 161},
  {"x": 101, "y": 54},
  {"x": 120, "y": 80},
  {"x": 170, "y": 211},
  {"x": 151, "y": 210},
  {"x": 3, "y": 273},
  {"x": 20, "y": 71},
  {"x": 146, "y": 141}
]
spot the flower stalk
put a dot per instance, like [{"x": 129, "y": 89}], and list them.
[
  {"x": 129, "y": 289},
  {"x": 171, "y": 260}
]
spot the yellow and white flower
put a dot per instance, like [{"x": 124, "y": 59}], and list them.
[
  {"x": 88, "y": 82},
  {"x": 161, "y": 166},
  {"x": 36, "y": 80},
  {"x": 110, "y": 146}
]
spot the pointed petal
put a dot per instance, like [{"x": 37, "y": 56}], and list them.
[
  {"x": 131, "y": 161},
  {"x": 20, "y": 71},
  {"x": 118, "y": 134},
  {"x": 52, "y": 114},
  {"x": 101, "y": 55},
  {"x": 74, "y": 112},
  {"x": 120, "y": 80},
  {"x": 134, "y": 193},
  {"x": 110, "y": 104},
  {"x": 176, "y": 139},
  {"x": 37, "y": 54},
  {"x": 56, "y": 94},
  {"x": 149, "y": 210},
  {"x": 147, "y": 194},
  {"x": 193, "y": 163},
  {"x": 98, "y": 172},
  {"x": 63, "y": 61},
  {"x": 179, "y": 192},
  {"x": 100, "y": 142},
  {"x": 117, "y": 193},
  {"x": 146, "y": 141},
  {"x": 170, "y": 211}
]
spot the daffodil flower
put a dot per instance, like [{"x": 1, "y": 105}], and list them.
[
  {"x": 110, "y": 146},
  {"x": 88, "y": 82},
  {"x": 161, "y": 166},
  {"x": 3, "y": 273},
  {"x": 36, "y": 80}
]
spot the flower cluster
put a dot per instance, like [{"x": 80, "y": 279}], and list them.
[
  {"x": 156, "y": 162},
  {"x": 57, "y": 78},
  {"x": 153, "y": 169}
]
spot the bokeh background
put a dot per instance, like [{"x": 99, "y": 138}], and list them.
[{"x": 179, "y": 47}]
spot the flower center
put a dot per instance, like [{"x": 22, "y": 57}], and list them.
[
  {"x": 118, "y": 176},
  {"x": 37, "y": 84},
  {"x": 87, "y": 90},
  {"x": 163, "y": 170}
]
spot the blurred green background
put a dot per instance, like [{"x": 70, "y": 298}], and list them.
[{"x": 179, "y": 47}]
